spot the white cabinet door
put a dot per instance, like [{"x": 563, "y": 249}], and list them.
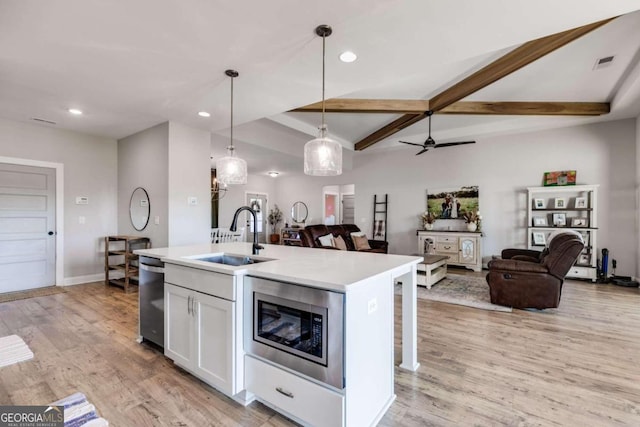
[
  {"x": 214, "y": 338},
  {"x": 468, "y": 250},
  {"x": 178, "y": 329}
]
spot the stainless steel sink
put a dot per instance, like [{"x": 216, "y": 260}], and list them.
[{"x": 229, "y": 259}]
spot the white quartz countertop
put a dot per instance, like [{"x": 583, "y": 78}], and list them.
[{"x": 325, "y": 268}]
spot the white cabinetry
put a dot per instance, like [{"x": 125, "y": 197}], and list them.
[
  {"x": 200, "y": 328},
  {"x": 571, "y": 207},
  {"x": 462, "y": 248}
]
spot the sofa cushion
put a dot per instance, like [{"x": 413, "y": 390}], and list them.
[
  {"x": 360, "y": 242},
  {"x": 339, "y": 243},
  {"x": 326, "y": 240}
]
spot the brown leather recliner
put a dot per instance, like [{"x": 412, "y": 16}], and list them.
[
  {"x": 309, "y": 237},
  {"x": 526, "y": 278}
]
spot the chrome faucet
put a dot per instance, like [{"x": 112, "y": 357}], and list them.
[{"x": 234, "y": 226}]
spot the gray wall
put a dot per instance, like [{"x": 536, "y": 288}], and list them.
[
  {"x": 143, "y": 162},
  {"x": 90, "y": 169}
]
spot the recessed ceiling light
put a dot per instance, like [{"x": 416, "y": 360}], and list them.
[
  {"x": 273, "y": 174},
  {"x": 348, "y": 56},
  {"x": 75, "y": 111},
  {"x": 204, "y": 114}
]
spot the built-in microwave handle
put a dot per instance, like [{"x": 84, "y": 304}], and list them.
[{"x": 286, "y": 393}]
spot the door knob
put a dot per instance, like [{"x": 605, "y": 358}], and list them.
[{"x": 50, "y": 233}]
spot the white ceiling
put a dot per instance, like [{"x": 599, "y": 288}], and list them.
[{"x": 131, "y": 65}]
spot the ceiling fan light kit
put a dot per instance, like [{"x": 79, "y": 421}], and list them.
[
  {"x": 231, "y": 169},
  {"x": 323, "y": 155}
]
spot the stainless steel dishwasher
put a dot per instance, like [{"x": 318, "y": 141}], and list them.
[{"x": 151, "y": 300}]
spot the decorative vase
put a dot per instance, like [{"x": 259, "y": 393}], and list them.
[
  {"x": 428, "y": 226},
  {"x": 472, "y": 226},
  {"x": 274, "y": 238}
]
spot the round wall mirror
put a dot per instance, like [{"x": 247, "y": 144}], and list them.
[
  {"x": 299, "y": 212},
  {"x": 139, "y": 208}
]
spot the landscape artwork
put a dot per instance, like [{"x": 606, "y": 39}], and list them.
[{"x": 453, "y": 203}]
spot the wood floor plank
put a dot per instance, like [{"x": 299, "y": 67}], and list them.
[{"x": 571, "y": 366}]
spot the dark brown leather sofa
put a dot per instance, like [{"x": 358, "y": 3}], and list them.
[
  {"x": 526, "y": 278},
  {"x": 309, "y": 237}
]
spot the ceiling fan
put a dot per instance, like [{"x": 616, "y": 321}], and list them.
[{"x": 430, "y": 143}]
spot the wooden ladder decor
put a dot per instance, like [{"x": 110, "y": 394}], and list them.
[{"x": 380, "y": 209}]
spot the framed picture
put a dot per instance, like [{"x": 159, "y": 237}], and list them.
[
  {"x": 452, "y": 203},
  {"x": 581, "y": 202},
  {"x": 559, "y": 178},
  {"x": 538, "y": 238},
  {"x": 540, "y": 221},
  {"x": 584, "y": 259},
  {"x": 560, "y": 203},
  {"x": 559, "y": 220},
  {"x": 539, "y": 203},
  {"x": 579, "y": 222}
]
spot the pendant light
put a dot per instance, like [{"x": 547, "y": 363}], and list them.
[
  {"x": 231, "y": 169},
  {"x": 323, "y": 155}
]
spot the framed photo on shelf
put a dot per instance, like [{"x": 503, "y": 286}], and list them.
[
  {"x": 581, "y": 202},
  {"x": 539, "y": 238},
  {"x": 559, "y": 220},
  {"x": 584, "y": 259},
  {"x": 540, "y": 221},
  {"x": 579, "y": 222},
  {"x": 560, "y": 203},
  {"x": 558, "y": 178},
  {"x": 539, "y": 203}
]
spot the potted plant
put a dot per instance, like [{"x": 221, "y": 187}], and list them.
[
  {"x": 472, "y": 219},
  {"x": 428, "y": 219},
  {"x": 275, "y": 216}
]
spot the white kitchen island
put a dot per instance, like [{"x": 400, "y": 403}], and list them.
[{"x": 215, "y": 292}]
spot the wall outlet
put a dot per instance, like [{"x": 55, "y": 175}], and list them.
[
  {"x": 372, "y": 305},
  {"x": 192, "y": 200},
  {"x": 156, "y": 220},
  {"x": 82, "y": 220}
]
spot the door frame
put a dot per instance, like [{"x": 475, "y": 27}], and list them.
[
  {"x": 59, "y": 226},
  {"x": 266, "y": 208}
]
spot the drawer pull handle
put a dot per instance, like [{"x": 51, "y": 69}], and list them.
[
  {"x": 447, "y": 247},
  {"x": 286, "y": 393}
]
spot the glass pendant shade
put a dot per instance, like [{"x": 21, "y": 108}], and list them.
[
  {"x": 231, "y": 169},
  {"x": 323, "y": 155}
]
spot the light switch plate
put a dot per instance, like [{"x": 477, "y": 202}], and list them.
[
  {"x": 193, "y": 200},
  {"x": 82, "y": 200}
]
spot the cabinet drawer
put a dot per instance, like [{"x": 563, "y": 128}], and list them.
[
  {"x": 582, "y": 272},
  {"x": 310, "y": 402},
  {"x": 207, "y": 282},
  {"x": 447, "y": 239},
  {"x": 447, "y": 247}
]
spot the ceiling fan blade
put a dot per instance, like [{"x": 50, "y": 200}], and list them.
[
  {"x": 412, "y": 143},
  {"x": 451, "y": 144},
  {"x": 424, "y": 150}
]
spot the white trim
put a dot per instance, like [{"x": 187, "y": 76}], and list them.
[
  {"x": 77, "y": 280},
  {"x": 265, "y": 218},
  {"x": 59, "y": 168}
]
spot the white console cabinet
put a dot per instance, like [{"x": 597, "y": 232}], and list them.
[{"x": 462, "y": 247}]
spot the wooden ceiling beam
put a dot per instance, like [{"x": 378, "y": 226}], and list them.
[
  {"x": 388, "y": 106},
  {"x": 390, "y": 129},
  {"x": 507, "y": 64},
  {"x": 528, "y": 108}
]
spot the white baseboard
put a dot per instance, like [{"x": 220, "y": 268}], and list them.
[{"x": 77, "y": 280}]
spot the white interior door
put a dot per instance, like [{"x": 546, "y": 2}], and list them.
[
  {"x": 257, "y": 202},
  {"x": 27, "y": 227}
]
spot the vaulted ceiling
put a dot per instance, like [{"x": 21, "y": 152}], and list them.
[{"x": 132, "y": 65}]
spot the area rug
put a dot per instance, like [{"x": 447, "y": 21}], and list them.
[
  {"x": 458, "y": 289},
  {"x": 13, "y": 350},
  {"x": 38, "y": 292}
]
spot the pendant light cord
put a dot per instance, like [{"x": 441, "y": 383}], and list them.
[
  {"x": 232, "y": 112},
  {"x": 323, "y": 59}
]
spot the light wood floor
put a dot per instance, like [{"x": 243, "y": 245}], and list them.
[{"x": 578, "y": 365}]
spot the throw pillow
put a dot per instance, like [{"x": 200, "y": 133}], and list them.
[
  {"x": 360, "y": 242},
  {"x": 326, "y": 240},
  {"x": 357, "y": 233},
  {"x": 339, "y": 243}
]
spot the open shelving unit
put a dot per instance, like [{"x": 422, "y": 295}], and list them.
[
  {"x": 571, "y": 207},
  {"x": 120, "y": 263}
]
